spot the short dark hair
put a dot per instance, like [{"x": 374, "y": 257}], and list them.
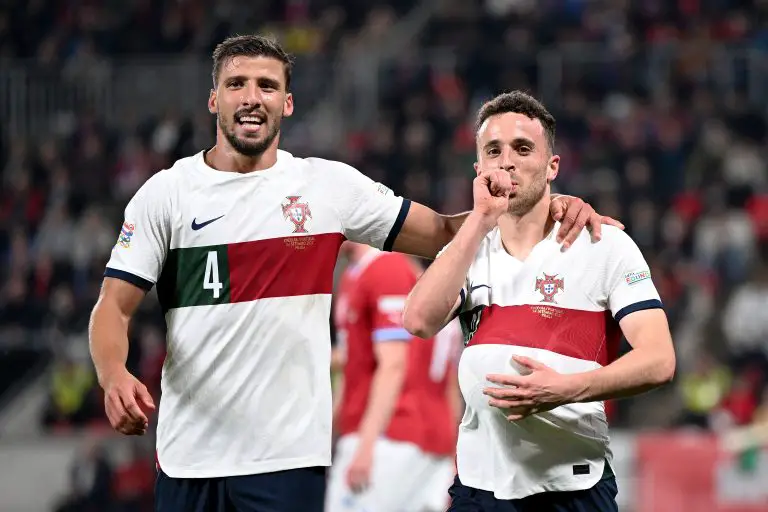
[
  {"x": 251, "y": 46},
  {"x": 519, "y": 102}
]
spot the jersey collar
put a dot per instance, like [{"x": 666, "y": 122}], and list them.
[{"x": 283, "y": 157}]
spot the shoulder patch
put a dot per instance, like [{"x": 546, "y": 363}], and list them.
[
  {"x": 382, "y": 189},
  {"x": 126, "y": 233},
  {"x": 635, "y": 277}
]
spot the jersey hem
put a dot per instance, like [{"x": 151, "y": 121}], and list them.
[
  {"x": 638, "y": 306},
  {"x": 550, "y": 486},
  {"x": 397, "y": 226},
  {"x": 270, "y": 466},
  {"x": 129, "y": 277}
]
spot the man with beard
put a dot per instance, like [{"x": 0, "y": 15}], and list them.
[
  {"x": 241, "y": 242},
  {"x": 542, "y": 327}
]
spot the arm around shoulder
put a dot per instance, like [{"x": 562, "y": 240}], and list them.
[{"x": 425, "y": 232}]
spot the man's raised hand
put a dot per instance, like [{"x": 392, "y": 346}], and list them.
[{"x": 491, "y": 190}]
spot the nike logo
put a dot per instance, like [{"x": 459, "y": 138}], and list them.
[
  {"x": 473, "y": 288},
  {"x": 196, "y": 226}
]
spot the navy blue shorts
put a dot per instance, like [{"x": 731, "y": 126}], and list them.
[
  {"x": 600, "y": 498},
  {"x": 294, "y": 490}
]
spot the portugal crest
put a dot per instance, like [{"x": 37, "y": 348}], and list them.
[
  {"x": 548, "y": 286},
  {"x": 296, "y": 212}
]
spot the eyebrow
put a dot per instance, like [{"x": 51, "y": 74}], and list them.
[
  {"x": 270, "y": 82},
  {"x": 262, "y": 80},
  {"x": 518, "y": 141}
]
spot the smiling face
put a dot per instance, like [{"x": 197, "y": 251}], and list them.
[
  {"x": 517, "y": 144},
  {"x": 250, "y": 101}
]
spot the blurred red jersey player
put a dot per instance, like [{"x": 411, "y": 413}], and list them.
[{"x": 397, "y": 409}]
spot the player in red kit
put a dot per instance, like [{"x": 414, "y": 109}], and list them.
[{"x": 397, "y": 408}]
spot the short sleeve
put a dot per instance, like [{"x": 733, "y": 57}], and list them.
[
  {"x": 629, "y": 284},
  {"x": 144, "y": 237},
  {"x": 370, "y": 212},
  {"x": 388, "y": 282}
]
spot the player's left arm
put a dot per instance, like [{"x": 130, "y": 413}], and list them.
[
  {"x": 635, "y": 304},
  {"x": 391, "y": 358},
  {"x": 650, "y": 363},
  {"x": 387, "y": 291},
  {"x": 372, "y": 214}
]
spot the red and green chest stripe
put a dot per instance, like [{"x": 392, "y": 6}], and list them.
[{"x": 247, "y": 271}]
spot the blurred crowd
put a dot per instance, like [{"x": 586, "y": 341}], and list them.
[
  {"x": 678, "y": 158},
  {"x": 654, "y": 127},
  {"x": 72, "y": 36}
]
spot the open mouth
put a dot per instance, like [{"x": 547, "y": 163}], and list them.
[{"x": 251, "y": 123}]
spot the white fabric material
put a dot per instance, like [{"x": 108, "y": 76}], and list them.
[
  {"x": 566, "y": 448},
  {"x": 403, "y": 479},
  {"x": 246, "y": 386}
]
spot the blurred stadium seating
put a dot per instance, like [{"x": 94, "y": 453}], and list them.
[{"x": 661, "y": 109}]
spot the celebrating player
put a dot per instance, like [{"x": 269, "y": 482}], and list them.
[
  {"x": 241, "y": 242},
  {"x": 543, "y": 328},
  {"x": 399, "y": 398}
]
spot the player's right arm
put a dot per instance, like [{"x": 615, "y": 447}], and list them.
[
  {"x": 437, "y": 293},
  {"x": 133, "y": 268},
  {"x": 108, "y": 335}
]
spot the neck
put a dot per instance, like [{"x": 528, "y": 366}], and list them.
[
  {"x": 223, "y": 157},
  {"x": 521, "y": 233}
]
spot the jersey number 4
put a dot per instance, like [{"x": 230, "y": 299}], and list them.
[
  {"x": 211, "y": 279},
  {"x": 195, "y": 276}
]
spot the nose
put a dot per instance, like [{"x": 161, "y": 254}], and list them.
[
  {"x": 506, "y": 161},
  {"x": 251, "y": 96}
]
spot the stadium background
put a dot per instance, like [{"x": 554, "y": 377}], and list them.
[{"x": 661, "y": 108}]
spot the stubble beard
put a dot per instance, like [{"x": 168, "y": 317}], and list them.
[
  {"x": 247, "y": 147},
  {"x": 527, "y": 199}
]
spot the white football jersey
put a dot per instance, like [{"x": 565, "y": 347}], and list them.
[
  {"x": 559, "y": 308},
  {"x": 243, "y": 265}
]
